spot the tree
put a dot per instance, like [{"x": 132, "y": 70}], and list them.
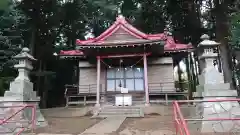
[
  {"x": 221, "y": 11},
  {"x": 10, "y": 43}
]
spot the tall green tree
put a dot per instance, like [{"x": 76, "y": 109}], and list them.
[{"x": 11, "y": 29}]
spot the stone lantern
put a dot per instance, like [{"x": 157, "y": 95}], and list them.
[
  {"x": 24, "y": 65},
  {"x": 21, "y": 89},
  {"x": 211, "y": 87},
  {"x": 209, "y": 73}
]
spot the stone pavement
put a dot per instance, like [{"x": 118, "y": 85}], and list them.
[
  {"x": 53, "y": 134},
  {"x": 44, "y": 134},
  {"x": 106, "y": 126}
]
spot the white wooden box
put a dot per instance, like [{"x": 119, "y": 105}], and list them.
[{"x": 123, "y": 100}]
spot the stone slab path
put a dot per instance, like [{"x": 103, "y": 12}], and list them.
[
  {"x": 106, "y": 126},
  {"x": 43, "y": 134}
]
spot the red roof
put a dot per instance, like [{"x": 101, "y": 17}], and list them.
[
  {"x": 71, "y": 52},
  {"x": 120, "y": 28},
  {"x": 120, "y": 25}
]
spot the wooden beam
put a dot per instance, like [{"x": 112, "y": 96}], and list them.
[{"x": 124, "y": 55}]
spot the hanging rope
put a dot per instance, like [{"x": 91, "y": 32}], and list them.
[{"x": 133, "y": 65}]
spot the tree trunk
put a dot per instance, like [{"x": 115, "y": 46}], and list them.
[
  {"x": 222, "y": 33},
  {"x": 32, "y": 41},
  {"x": 180, "y": 82},
  {"x": 44, "y": 88},
  {"x": 193, "y": 83},
  {"x": 189, "y": 78}
]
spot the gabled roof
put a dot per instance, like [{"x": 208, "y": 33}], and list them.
[{"x": 121, "y": 32}]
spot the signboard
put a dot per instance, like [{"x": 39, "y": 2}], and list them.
[{"x": 124, "y": 90}]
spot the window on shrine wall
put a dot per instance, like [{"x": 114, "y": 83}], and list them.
[{"x": 131, "y": 78}]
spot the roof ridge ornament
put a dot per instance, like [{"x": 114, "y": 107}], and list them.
[{"x": 119, "y": 10}]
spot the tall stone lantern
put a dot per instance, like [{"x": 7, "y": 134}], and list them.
[
  {"x": 209, "y": 73},
  {"x": 212, "y": 87},
  {"x": 21, "y": 89}
]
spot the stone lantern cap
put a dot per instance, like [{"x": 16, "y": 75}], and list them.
[
  {"x": 24, "y": 54},
  {"x": 207, "y": 42}
]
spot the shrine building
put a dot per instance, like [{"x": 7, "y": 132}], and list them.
[{"x": 124, "y": 62}]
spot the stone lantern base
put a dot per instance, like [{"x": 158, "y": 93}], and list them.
[
  {"x": 208, "y": 110},
  {"x": 16, "y": 97}
]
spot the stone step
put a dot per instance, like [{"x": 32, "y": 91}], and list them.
[
  {"x": 120, "y": 107},
  {"x": 118, "y": 113},
  {"x": 127, "y": 111},
  {"x": 121, "y": 111},
  {"x": 129, "y": 116}
]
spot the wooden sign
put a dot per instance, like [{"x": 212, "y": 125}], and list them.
[{"x": 124, "y": 90}]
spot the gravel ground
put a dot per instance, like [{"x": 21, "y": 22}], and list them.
[
  {"x": 78, "y": 120},
  {"x": 73, "y": 125},
  {"x": 149, "y": 125}
]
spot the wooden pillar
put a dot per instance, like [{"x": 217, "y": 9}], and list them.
[
  {"x": 98, "y": 80},
  {"x": 146, "y": 80},
  {"x": 180, "y": 82}
]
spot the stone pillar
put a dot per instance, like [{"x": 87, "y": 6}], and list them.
[
  {"x": 21, "y": 89},
  {"x": 98, "y": 80},
  {"x": 146, "y": 80},
  {"x": 211, "y": 87}
]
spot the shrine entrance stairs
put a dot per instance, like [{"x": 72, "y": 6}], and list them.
[{"x": 126, "y": 111}]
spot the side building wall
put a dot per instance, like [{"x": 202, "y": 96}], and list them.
[
  {"x": 88, "y": 77},
  {"x": 160, "y": 74}
]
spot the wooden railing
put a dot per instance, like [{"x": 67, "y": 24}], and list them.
[
  {"x": 72, "y": 90},
  {"x": 86, "y": 92},
  {"x": 159, "y": 87},
  {"x": 166, "y": 87},
  {"x": 80, "y": 91}
]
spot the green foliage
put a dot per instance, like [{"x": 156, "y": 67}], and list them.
[
  {"x": 10, "y": 43},
  {"x": 235, "y": 31},
  {"x": 4, "y": 84},
  {"x": 184, "y": 85},
  {"x": 4, "y": 4}
]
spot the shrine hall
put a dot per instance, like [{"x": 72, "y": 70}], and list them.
[{"x": 124, "y": 66}]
